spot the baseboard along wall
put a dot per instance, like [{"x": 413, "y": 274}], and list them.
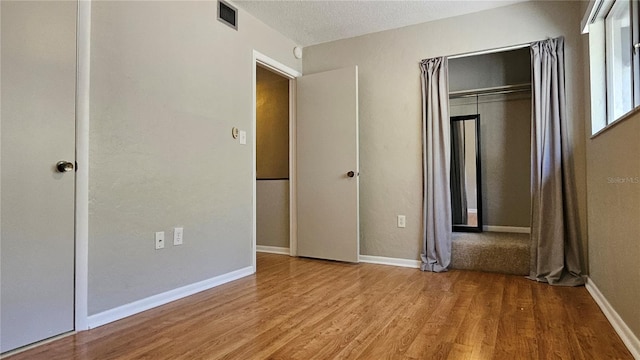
[
  {"x": 272, "y": 249},
  {"x": 381, "y": 260},
  {"x": 630, "y": 340},
  {"x": 139, "y": 306}
]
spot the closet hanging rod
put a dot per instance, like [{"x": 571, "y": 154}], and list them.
[{"x": 506, "y": 89}]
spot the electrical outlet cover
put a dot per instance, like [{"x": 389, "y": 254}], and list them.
[{"x": 402, "y": 221}]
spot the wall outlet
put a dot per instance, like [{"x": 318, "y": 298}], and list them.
[
  {"x": 177, "y": 235},
  {"x": 159, "y": 240},
  {"x": 402, "y": 221}
]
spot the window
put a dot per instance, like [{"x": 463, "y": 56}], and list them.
[
  {"x": 614, "y": 53},
  {"x": 619, "y": 60}
]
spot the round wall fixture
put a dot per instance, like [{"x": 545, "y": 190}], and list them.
[{"x": 297, "y": 52}]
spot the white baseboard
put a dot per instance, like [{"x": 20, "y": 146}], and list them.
[
  {"x": 272, "y": 249},
  {"x": 508, "y": 229},
  {"x": 472, "y": 211},
  {"x": 628, "y": 337},
  {"x": 381, "y": 260},
  {"x": 135, "y": 307}
]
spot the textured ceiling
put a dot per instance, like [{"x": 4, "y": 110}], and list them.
[{"x": 310, "y": 22}]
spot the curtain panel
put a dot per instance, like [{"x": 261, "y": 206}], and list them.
[
  {"x": 436, "y": 156},
  {"x": 554, "y": 228}
]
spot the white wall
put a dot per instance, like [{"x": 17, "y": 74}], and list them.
[
  {"x": 390, "y": 106},
  {"x": 168, "y": 82}
]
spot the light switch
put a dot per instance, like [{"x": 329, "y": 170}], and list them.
[
  {"x": 243, "y": 137},
  {"x": 159, "y": 240}
]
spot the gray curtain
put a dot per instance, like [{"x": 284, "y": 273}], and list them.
[
  {"x": 554, "y": 229},
  {"x": 459, "y": 207},
  {"x": 436, "y": 156}
]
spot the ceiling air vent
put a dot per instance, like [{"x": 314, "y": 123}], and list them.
[{"x": 228, "y": 14}]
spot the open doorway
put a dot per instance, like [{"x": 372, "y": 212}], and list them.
[
  {"x": 491, "y": 93},
  {"x": 274, "y": 190},
  {"x": 272, "y": 161}
]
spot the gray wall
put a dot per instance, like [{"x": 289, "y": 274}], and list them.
[
  {"x": 272, "y": 213},
  {"x": 390, "y": 106},
  {"x": 505, "y": 133},
  {"x": 614, "y": 210},
  {"x": 168, "y": 82},
  {"x": 613, "y": 175}
]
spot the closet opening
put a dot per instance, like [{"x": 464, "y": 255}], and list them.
[{"x": 495, "y": 90}]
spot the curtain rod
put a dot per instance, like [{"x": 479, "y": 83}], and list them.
[
  {"x": 506, "y": 89},
  {"x": 489, "y": 51}
]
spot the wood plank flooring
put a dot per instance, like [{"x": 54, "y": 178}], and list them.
[{"x": 297, "y": 308}]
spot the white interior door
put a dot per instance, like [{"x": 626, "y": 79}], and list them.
[
  {"x": 38, "y": 73},
  {"x": 327, "y": 165}
]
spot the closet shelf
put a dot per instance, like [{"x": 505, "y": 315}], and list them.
[{"x": 506, "y": 89}]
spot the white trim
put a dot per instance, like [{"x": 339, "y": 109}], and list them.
[
  {"x": 151, "y": 302},
  {"x": 273, "y": 249},
  {"x": 631, "y": 114},
  {"x": 275, "y": 65},
  {"x": 596, "y": 10},
  {"x": 628, "y": 337},
  {"x": 472, "y": 211},
  {"x": 588, "y": 16},
  {"x": 291, "y": 74},
  {"x": 83, "y": 61},
  {"x": 357, "y": 133},
  {"x": 254, "y": 196},
  {"x": 507, "y": 229},
  {"x": 381, "y": 260},
  {"x": 293, "y": 182}
]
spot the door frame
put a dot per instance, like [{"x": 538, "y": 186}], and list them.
[
  {"x": 83, "y": 61},
  {"x": 291, "y": 74}
]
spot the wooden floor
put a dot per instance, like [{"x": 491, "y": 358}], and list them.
[{"x": 310, "y": 309}]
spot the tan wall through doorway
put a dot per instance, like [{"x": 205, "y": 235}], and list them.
[{"x": 272, "y": 125}]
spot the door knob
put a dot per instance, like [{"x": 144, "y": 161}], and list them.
[
  {"x": 351, "y": 174},
  {"x": 64, "y": 166}
]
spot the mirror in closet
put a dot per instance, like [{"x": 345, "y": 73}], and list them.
[{"x": 466, "y": 189}]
